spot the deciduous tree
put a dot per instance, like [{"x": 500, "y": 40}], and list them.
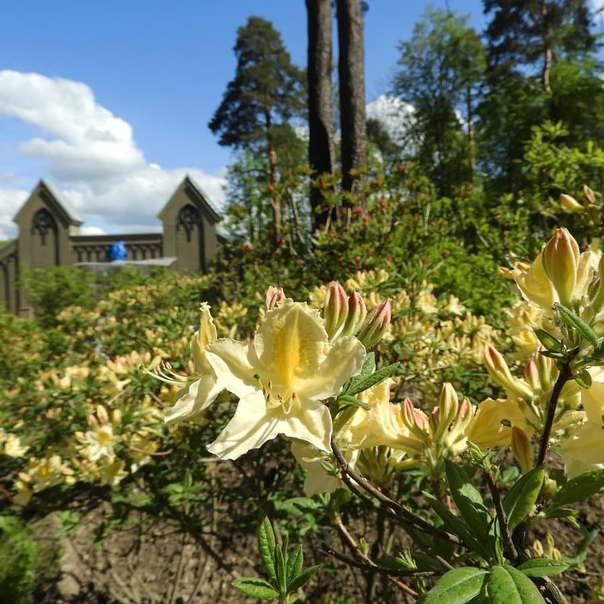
[{"x": 440, "y": 72}]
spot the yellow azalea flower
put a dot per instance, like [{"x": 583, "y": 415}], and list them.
[
  {"x": 199, "y": 391},
  {"x": 380, "y": 425},
  {"x": 493, "y": 421},
  {"x": 100, "y": 442},
  {"x": 13, "y": 446},
  {"x": 113, "y": 473},
  {"x": 584, "y": 449},
  {"x": 45, "y": 473},
  {"x": 533, "y": 283},
  {"x": 282, "y": 379},
  {"x": 316, "y": 463}
]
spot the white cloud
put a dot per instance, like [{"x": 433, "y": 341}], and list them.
[
  {"x": 89, "y": 153},
  {"x": 11, "y": 199},
  {"x": 394, "y": 115},
  {"x": 91, "y": 230}
]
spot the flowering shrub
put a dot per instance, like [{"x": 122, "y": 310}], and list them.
[
  {"x": 399, "y": 407},
  {"x": 311, "y": 378}
]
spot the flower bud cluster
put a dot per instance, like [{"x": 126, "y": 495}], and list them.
[
  {"x": 347, "y": 316},
  {"x": 562, "y": 276}
]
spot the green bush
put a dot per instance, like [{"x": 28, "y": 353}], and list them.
[
  {"x": 50, "y": 290},
  {"x": 19, "y": 561}
]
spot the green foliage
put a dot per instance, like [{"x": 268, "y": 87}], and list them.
[
  {"x": 285, "y": 571},
  {"x": 440, "y": 71},
  {"x": 52, "y": 289},
  {"x": 521, "y": 498},
  {"x": 20, "y": 562}
]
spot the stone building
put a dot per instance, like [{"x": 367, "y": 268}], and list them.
[{"x": 49, "y": 235}]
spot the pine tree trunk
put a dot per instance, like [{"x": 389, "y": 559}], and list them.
[
  {"x": 320, "y": 110},
  {"x": 273, "y": 176},
  {"x": 351, "y": 69},
  {"x": 274, "y": 196}
]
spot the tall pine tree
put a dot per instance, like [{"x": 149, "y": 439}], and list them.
[{"x": 266, "y": 92}]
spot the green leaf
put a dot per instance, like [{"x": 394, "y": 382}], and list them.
[
  {"x": 456, "y": 525},
  {"x": 256, "y": 588},
  {"x": 548, "y": 340},
  {"x": 559, "y": 356},
  {"x": 302, "y": 578},
  {"x": 458, "y": 586},
  {"x": 575, "y": 322},
  {"x": 298, "y": 505},
  {"x": 543, "y": 567},
  {"x": 295, "y": 562},
  {"x": 508, "y": 585},
  {"x": 362, "y": 383},
  {"x": 281, "y": 570},
  {"x": 367, "y": 369},
  {"x": 583, "y": 379},
  {"x": 523, "y": 495},
  {"x": 567, "y": 513},
  {"x": 266, "y": 546},
  {"x": 578, "y": 488},
  {"x": 346, "y": 400},
  {"x": 469, "y": 501}
]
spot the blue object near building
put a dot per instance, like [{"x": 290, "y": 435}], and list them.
[{"x": 117, "y": 251}]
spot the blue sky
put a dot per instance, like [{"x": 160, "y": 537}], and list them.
[{"x": 110, "y": 100}]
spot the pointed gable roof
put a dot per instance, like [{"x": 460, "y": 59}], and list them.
[
  {"x": 57, "y": 203},
  {"x": 196, "y": 196}
]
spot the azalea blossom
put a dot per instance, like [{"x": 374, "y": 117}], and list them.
[
  {"x": 322, "y": 475},
  {"x": 100, "y": 442},
  {"x": 584, "y": 449},
  {"x": 282, "y": 379},
  {"x": 196, "y": 393}
]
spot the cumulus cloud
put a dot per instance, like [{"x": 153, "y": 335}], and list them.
[
  {"x": 11, "y": 199},
  {"x": 81, "y": 139},
  {"x": 394, "y": 114},
  {"x": 89, "y": 153}
]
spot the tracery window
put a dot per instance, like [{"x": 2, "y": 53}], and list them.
[
  {"x": 43, "y": 223},
  {"x": 188, "y": 219}
]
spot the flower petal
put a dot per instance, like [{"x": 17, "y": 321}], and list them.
[
  {"x": 251, "y": 426},
  {"x": 232, "y": 364},
  {"x": 291, "y": 342},
  {"x": 344, "y": 360},
  {"x": 194, "y": 399},
  {"x": 311, "y": 423}
]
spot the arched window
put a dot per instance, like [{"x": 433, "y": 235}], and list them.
[
  {"x": 188, "y": 219},
  {"x": 43, "y": 223}
]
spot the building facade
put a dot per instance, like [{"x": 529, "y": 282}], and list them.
[{"x": 49, "y": 235}]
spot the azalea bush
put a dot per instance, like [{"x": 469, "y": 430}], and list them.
[
  {"x": 376, "y": 423},
  {"x": 312, "y": 378}
]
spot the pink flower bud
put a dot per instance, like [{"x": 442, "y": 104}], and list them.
[
  {"x": 274, "y": 295},
  {"x": 335, "y": 310},
  {"x": 357, "y": 313},
  {"x": 500, "y": 372},
  {"x": 598, "y": 298},
  {"x": 414, "y": 420},
  {"x": 522, "y": 450},
  {"x": 589, "y": 195},
  {"x": 376, "y": 324},
  {"x": 561, "y": 261},
  {"x": 531, "y": 374}
]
